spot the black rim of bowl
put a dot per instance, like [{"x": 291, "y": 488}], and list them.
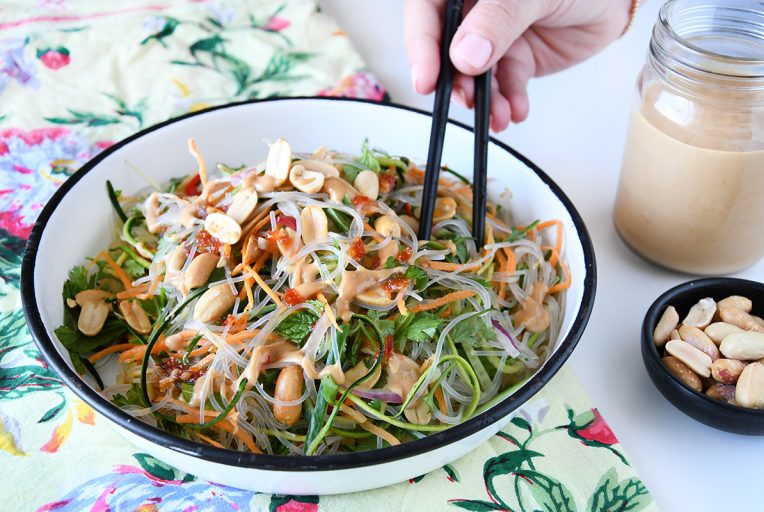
[
  {"x": 298, "y": 463},
  {"x": 654, "y": 313}
]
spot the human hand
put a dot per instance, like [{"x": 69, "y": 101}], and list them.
[{"x": 517, "y": 39}]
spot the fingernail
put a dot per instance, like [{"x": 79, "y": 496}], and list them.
[
  {"x": 474, "y": 49},
  {"x": 457, "y": 96},
  {"x": 414, "y": 78}
]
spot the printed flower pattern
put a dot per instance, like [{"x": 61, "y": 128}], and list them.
[
  {"x": 14, "y": 64},
  {"x": 32, "y": 165},
  {"x": 54, "y": 58}
]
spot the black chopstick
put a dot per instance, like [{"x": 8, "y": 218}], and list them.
[
  {"x": 451, "y": 22},
  {"x": 480, "y": 163}
]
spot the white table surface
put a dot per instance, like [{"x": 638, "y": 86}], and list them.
[{"x": 576, "y": 132}]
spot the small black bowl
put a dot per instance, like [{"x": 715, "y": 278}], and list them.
[{"x": 721, "y": 415}]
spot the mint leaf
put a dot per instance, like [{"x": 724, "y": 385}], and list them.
[
  {"x": 77, "y": 343},
  {"x": 297, "y": 326}
]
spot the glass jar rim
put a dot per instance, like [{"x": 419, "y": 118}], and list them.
[{"x": 707, "y": 60}]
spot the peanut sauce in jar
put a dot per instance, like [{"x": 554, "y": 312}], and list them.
[{"x": 691, "y": 192}]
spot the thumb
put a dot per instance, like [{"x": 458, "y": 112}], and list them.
[{"x": 488, "y": 30}]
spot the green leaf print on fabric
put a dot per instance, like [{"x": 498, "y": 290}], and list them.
[
  {"x": 54, "y": 411},
  {"x": 11, "y": 252},
  {"x": 477, "y": 505},
  {"x": 550, "y": 494},
  {"x": 121, "y": 115},
  {"x": 159, "y": 469},
  {"x": 505, "y": 464},
  {"x": 168, "y": 28},
  {"x": 627, "y": 495}
]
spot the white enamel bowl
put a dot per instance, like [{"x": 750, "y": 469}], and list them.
[{"x": 76, "y": 223}]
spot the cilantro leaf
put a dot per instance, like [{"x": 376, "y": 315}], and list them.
[
  {"x": 78, "y": 343},
  {"x": 386, "y": 327},
  {"x": 471, "y": 330},
  {"x": 367, "y": 160},
  {"x": 133, "y": 269},
  {"x": 417, "y": 275},
  {"x": 134, "y": 396},
  {"x": 78, "y": 281},
  {"x": 424, "y": 327},
  {"x": 391, "y": 262}
]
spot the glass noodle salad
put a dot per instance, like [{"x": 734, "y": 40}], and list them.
[{"x": 289, "y": 308}]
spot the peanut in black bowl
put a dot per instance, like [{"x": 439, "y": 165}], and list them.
[{"x": 714, "y": 413}]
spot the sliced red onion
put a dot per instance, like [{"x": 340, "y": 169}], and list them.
[
  {"x": 287, "y": 221},
  {"x": 382, "y": 395},
  {"x": 503, "y": 332}
]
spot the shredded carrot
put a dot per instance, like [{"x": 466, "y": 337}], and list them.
[
  {"x": 194, "y": 150},
  {"x": 109, "y": 350},
  {"x": 227, "y": 251},
  {"x": 208, "y": 440},
  {"x": 259, "y": 280},
  {"x": 450, "y": 267},
  {"x": 384, "y": 434},
  {"x": 503, "y": 267},
  {"x": 511, "y": 261},
  {"x": 558, "y": 240},
  {"x": 441, "y": 400},
  {"x": 134, "y": 291},
  {"x": 564, "y": 284},
  {"x": 450, "y": 297},
  {"x": 258, "y": 223},
  {"x": 446, "y": 312},
  {"x": 402, "y": 307},
  {"x": 118, "y": 272},
  {"x": 250, "y": 295}
]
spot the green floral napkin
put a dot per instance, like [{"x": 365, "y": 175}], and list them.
[{"x": 78, "y": 75}]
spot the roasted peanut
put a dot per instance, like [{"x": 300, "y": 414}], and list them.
[
  {"x": 214, "y": 303},
  {"x": 94, "y": 310},
  {"x": 746, "y": 346},
  {"x": 223, "y": 227},
  {"x": 419, "y": 413},
  {"x": 387, "y": 225},
  {"x": 288, "y": 388},
  {"x": 749, "y": 391},
  {"x": 698, "y": 361},
  {"x": 135, "y": 316},
  {"x": 699, "y": 340},
  {"x": 325, "y": 168},
  {"x": 721, "y": 392},
  {"x": 411, "y": 221},
  {"x": 682, "y": 372},
  {"x": 367, "y": 183},
  {"x": 315, "y": 225},
  {"x": 243, "y": 205},
  {"x": 306, "y": 181},
  {"x": 279, "y": 161},
  {"x": 700, "y": 314},
  {"x": 727, "y": 371},
  {"x": 199, "y": 271},
  {"x": 445, "y": 208},
  {"x": 338, "y": 189},
  {"x": 740, "y": 318},
  {"x": 736, "y": 301},
  {"x": 717, "y": 331},
  {"x": 668, "y": 322}
]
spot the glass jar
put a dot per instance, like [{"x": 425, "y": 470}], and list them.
[{"x": 691, "y": 192}]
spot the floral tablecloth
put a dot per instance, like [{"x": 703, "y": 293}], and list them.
[{"x": 77, "y": 75}]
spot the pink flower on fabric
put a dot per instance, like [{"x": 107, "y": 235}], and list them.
[
  {"x": 54, "y": 58},
  {"x": 295, "y": 506},
  {"x": 276, "y": 24},
  {"x": 359, "y": 85}
]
